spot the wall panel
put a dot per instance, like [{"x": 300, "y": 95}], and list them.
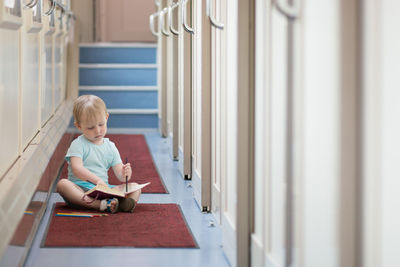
[
  {"x": 9, "y": 97},
  {"x": 30, "y": 82}
]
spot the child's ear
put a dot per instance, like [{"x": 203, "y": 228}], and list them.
[
  {"x": 107, "y": 115},
  {"x": 77, "y": 125}
]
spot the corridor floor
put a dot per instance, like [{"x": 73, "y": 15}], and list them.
[{"x": 203, "y": 226}]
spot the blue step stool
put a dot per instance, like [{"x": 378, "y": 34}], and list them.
[{"x": 125, "y": 77}]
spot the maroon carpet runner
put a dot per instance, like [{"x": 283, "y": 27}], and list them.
[
  {"x": 26, "y": 223},
  {"x": 150, "y": 225},
  {"x": 134, "y": 147},
  {"x": 55, "y": 162}
]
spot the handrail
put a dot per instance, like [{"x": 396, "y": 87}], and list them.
[
  {"x": 170, "y": 10},
  {"x": 291, "y": 12},
  {"x": 185, "y": 26},
  {"x": 216, "y": 24},
  {"x": 52, "y": 8},
  {"x": 151, "y": 18},
  {"x": 31, "y": 4},
  {"x": 162, "y": 22}
]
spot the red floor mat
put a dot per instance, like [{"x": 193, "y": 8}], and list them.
[
  {"x": 134, "y": 147},
  {"x": 25, "y": 225},
  {"x": 55, "y": 162},
  {"x": 150, "y": 225}
]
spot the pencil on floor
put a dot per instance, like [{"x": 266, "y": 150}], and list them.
[
  {"x": 82, "y": 214},
  {"x": 74, "y": 215}
]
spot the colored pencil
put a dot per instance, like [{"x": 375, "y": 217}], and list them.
[
  {"x": 83, "y": 214},
  {"x": 74, "y": 215},
  {"x": 126, "y": 177}
]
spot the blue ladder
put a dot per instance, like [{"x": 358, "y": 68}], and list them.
[{"x": 125, "y": 77}]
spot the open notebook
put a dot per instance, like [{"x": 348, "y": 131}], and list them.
[{"x": 102, "y": 191}]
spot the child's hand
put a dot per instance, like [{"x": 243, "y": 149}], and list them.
[
  {"x": 101, "y": 182},
  {"x": 127, "y": 170}
]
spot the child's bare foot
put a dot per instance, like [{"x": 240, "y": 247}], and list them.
[{"x": 109, "y": 205}]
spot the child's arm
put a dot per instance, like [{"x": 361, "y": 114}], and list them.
[
  {"x": 82, "y": 173},
  {"x": 122, "y": 170}
]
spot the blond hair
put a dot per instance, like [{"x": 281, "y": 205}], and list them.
[{"x": 88, "y": 107}]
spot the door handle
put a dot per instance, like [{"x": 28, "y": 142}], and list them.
[
  {"x": 31, "y": 4},
  {"x": 216, "y": 24},
  {"x": 290, "y": 11},
  {"x": 51, "y": 9},
  {"x": 151, "y": 18},
  {"x": 185, "y": 26},
  {"x": 170, "y": 15},
  {"x": 162, "y": 13}
]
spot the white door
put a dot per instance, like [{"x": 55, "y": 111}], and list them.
[
  {"x": 381, "y": 57},
  {"x": 174, "y": 26},
  {"x": 185, "y": 91},
  {"x": 260, "y": 245},
  {"x": 217, "y": 17},
  {"x": 164, "y": 69},
  {"x": 229, "y": 186},
  {"x": 201, "y": 101}
]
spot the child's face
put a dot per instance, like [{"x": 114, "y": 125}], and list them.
[{"x": 94, "y": 129}]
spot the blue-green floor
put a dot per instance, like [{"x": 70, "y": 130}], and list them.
[{"x": 206, "y": 233}]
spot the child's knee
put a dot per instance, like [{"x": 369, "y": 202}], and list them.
[{"x": 62, "y": 184}]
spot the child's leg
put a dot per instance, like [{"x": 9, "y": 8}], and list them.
[
  {"x": 74, "y": 194},
  {"x": 128, "y": 204},
  {"x": 134, "y": 195}
]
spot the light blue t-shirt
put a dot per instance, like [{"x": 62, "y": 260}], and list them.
[{"x": 96, "y": 158}]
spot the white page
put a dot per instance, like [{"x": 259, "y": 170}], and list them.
[{"x": 135, "y": 187}]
